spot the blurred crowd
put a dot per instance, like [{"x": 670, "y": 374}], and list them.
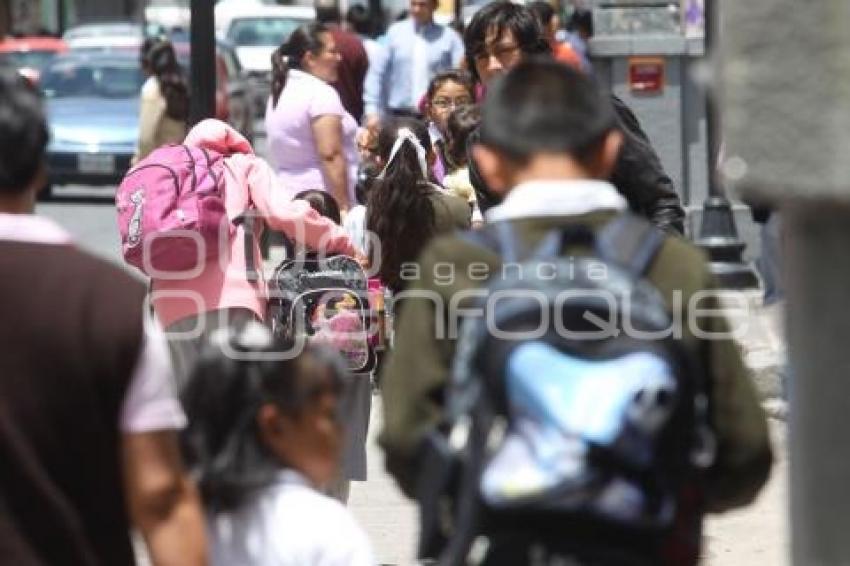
[{"x": 169, "y": 408}]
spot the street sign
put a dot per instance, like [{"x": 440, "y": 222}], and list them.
[{"x": 646, "y": 75}]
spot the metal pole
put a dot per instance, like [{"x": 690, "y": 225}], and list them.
[
  {"x": 61, "y": 19},
  {"x": 202, "y": 40},
  {"x": 712, "y": 117},
  {"x": 718, "y": 233}
]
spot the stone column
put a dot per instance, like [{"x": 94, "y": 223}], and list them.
[{"x": 786, "y": 69}]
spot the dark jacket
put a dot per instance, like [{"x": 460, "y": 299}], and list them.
[{"x": 638, "y": 175}]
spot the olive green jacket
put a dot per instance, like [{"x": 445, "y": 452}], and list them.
[{"x": 415, "y": 375}]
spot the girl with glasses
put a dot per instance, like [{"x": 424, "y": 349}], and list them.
[{"x": 447, "y": 91}]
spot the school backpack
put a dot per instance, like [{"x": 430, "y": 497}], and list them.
[
  {"x": 324, "y": 300},
  {"x": 576, "y": 422},
  {"x": 171, "y": 211}
]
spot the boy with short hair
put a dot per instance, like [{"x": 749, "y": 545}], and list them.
[{"x": 548, "y": 138}]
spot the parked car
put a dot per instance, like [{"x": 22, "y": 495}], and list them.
[
  {"x": 105, "y": 37},
  {"x": 30, "y": 54},
  {"x": 233, "y": 94},
  {"x": 92, "y": 102},
  {"x": 256, "y": 32}
]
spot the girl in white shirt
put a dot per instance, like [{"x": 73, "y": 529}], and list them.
[{"x": 263, "y": 437}]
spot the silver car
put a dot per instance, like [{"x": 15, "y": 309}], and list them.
[{"x": 93, "y": 113}]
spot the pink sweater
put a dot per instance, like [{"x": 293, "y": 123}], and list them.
[{"x": 249, "y": 181}]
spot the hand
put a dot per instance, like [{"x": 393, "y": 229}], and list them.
[
  {"x": 372, "y": 122},
  {"x": 367, "y": 143}
]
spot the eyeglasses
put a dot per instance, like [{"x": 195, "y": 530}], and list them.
[
  {"x": 450, "y": 103},
  {"x": 500, "y": 52}
]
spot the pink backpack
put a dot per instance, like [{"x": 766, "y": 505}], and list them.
[{"x": 171, "y": 210}]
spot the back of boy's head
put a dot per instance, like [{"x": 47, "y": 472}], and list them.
[
  {"x": 460, "y": 125},
  {"x": 542, "y": 106},
  {"x": 367, "y": 176},
  {"x": 322, "y": 202},
  {"x": 543, "y": 11},
  {"x": 358, "y": 17},
  {"x": 581, "y": 21},
  {"x": 238, "y": 371},
  {"x": 23, "y": 133}
]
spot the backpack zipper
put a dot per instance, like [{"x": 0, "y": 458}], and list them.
[{"x": 166, "y": 167}]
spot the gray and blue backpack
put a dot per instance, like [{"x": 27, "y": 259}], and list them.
[{"x": 576, "y": 421}]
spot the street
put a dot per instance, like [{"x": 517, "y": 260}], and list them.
[{"x": 755, "y": 535}]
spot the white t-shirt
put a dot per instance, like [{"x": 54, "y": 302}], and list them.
[
  {"x": 355, "y": 226},
  {"x": 289, "y": 524}
]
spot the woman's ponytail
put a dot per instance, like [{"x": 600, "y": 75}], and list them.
[
  {"x": 305, "y": 39},
  {"x": 280, "y": 68}
]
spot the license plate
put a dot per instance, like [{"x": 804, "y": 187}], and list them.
[{"x": 96, "y": 163}]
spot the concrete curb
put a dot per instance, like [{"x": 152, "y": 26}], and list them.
[{"x": 762, "y": 344}]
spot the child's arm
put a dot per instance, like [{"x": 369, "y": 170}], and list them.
[{"x": 296, "y": 218}]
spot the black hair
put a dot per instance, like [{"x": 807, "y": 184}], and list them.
[
  {"x": 367, "y": 175},
  {"x": 327, "y": 13},
  {"x": 543, "y": 11},
  {"x": 545, "y": 106},
  {"x": 305, "y": 39},
  {"x": 359, "y": 19},
  {"x": 460, "y": 125},
  {"x": 231, "y": 381},
  {"x": 500, "y": 16},
  {"x": 145, "y": 49},
  {"x": 581, "y": 21},
  {"x": 453, "y": 75},
  {"x": 322, "y": 202},
  {"x": 399, "y": 210},
  {"x": 162, "y": 63},
  {"x": 23, "y": 133}
]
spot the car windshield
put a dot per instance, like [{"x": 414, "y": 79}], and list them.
[
  {"x": 261, "y": 32},
  {"x": 27, "y": 59},
  {"x": 100, "y": 79}
]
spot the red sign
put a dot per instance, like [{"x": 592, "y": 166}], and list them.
[{"x": 646, "y": 75}]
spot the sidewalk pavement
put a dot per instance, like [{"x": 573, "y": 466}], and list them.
[
  {"x": 757, "y": 534},
  {"x": 751, "y": 536}
]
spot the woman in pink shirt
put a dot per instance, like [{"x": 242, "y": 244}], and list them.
[{"x": 311, "y": 138}]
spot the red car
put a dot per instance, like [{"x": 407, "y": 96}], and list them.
[{"x": 30, "y": 54}]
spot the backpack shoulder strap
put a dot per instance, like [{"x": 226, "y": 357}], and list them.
[
  {"x": 498, "y": 237},
  {"x": 631, "y": 242}
]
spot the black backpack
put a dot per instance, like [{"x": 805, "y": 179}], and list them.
[
  {"x": 576, "y": 423},
  {"x": 324, "y": 300}
]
